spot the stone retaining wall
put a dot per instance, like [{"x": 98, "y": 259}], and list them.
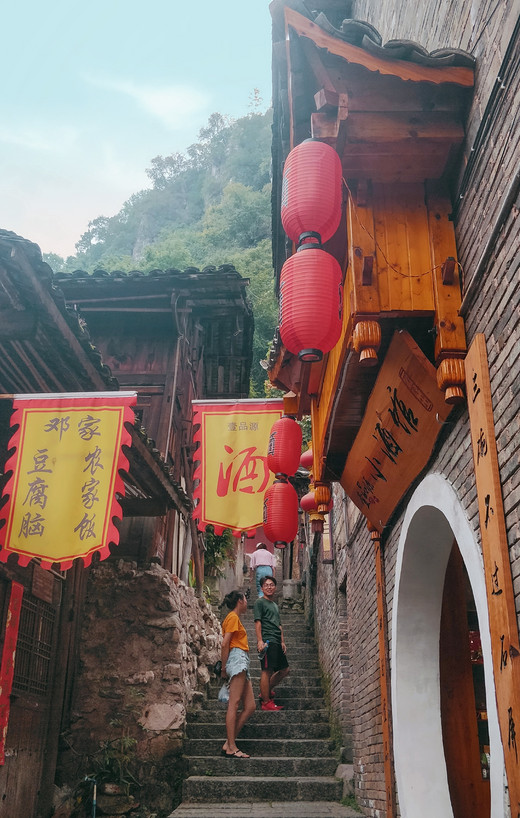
[{"x": 148, "y": 644}]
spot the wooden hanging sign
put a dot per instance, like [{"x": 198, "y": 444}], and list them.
[
  {"x": 503, "y": 626},
  {"x": 402, "y": 421}
]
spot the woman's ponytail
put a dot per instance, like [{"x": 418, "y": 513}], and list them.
[{"x": 231, "y": 600}]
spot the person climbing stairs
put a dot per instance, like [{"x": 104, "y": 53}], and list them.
[{"x": 293, "y": 759}]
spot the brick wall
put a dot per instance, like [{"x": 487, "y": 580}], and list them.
[{"x": 331, "y": 628}]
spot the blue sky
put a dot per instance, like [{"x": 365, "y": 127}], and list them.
[{"x": 91, "y": 92}]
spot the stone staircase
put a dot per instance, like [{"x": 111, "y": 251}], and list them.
[{"x": 293, "y": 759}]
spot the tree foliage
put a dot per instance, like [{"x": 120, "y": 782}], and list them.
[
  {"x": 207, "y": 206},
  {"x": 218, "y": 550}
]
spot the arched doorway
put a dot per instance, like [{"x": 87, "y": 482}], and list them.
[{"x": 433, "y": 522}]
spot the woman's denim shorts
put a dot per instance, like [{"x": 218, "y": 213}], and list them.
[{"x": 238, "y": 660}]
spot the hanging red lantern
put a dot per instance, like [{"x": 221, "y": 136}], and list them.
[
  {"x": 307, "y": 459},
  {"x": 285, "y": 443},
  {"x": 311, "y": 191},
  {"x": 311, "y": 302},
  {"x": 281, "y": 512},
  {"x": 308, "y": 502}
]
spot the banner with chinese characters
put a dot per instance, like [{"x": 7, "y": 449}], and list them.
[
  {"x": 65, "y": 475},
  {"x": 402, "y": 421},
  {"x": 231, "y": 475}
]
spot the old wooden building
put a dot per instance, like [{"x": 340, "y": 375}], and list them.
[
  {"x": 170, "y": 337},
  {"x": 173, "y": 337},
  {"x": 415, "y": 408}
]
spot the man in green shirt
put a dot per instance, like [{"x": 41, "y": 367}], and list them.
[{"x": 273, "y": 663}]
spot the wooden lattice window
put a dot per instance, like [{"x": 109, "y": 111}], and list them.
[{"x": 34, "y": 647}]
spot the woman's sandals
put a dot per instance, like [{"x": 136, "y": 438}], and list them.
[{"x": 236, "y": 754}]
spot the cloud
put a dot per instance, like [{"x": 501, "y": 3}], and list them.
[
  {"x": 40, "y": 138},
  {"x": 171, "y": 104}
]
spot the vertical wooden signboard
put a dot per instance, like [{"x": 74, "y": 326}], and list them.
[{"x": 499, "y": 583}]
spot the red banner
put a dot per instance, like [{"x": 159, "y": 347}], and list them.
[
  {"x": 65, "y": 476},
  {"x": 7, "y": 665},
  {"x": 232, "y": 475}
]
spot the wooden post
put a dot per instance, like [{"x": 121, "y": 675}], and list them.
[
  {"x": 503, "y": 625},
  {"x": 198, "y": 559},
  {"x": 384, "y": 667}
]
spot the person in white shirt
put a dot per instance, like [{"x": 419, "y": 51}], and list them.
[{"x": 262, "y": 564}]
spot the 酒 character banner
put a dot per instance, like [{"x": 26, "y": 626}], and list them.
[{"x": 231, "y": 476}]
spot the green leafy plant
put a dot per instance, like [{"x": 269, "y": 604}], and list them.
[
  {"x": 114, "y": 760},
  {"x": 350, "y": 801},
  {"x": 218, "y": 550}
]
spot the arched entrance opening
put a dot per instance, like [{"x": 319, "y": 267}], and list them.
[{"x": 439, "y": 560}]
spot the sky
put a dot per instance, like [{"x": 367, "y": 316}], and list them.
[{"x": 91, "y": 92}]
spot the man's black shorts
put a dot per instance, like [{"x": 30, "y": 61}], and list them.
[{"x": 275, "y": 659}]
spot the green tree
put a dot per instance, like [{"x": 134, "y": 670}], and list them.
[{"x": 207, "y": 206}]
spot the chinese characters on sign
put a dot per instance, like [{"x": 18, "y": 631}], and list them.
[
  {"x": 495, "y": 551},
  {"x": 401, "y": 423},
  {"x": 62, "y": 490},
  {"x": 232, "y": 473}
]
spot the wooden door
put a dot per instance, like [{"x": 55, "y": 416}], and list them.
[
  {"x": 27, "y": 732},
  {"x": 469, "y": 791}
]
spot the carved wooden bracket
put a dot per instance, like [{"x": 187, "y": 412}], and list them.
[
  {"x": 366, "y": 339},
  {"x": 451, "y": 379}
]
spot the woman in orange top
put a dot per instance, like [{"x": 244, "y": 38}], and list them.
[{"x": 235, "y": 667}]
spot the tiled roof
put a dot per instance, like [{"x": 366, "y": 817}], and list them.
[
  {"x": 364, "y": 35},
  {"x": 327, "y": 15}
]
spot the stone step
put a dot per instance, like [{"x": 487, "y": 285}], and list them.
[
  {"x": 263, "y": 716},
  {"x": 265, "y": 809},
  {"x": 293, "y": 759},
  {"x": 299, "y": 669},
  {"x": 295, "y": 635},
  {"x": 278, "y": 747},
  {"x": 267, "y": 766},
  {"x": 293, "y": 788},
  {"x": 287, "y": 691},
  {"x": 255, "y": 730},
  {"x": 297, "y": 663},
  {"x": 308, "y": 682},
  {"x": 288, "y": 702}
]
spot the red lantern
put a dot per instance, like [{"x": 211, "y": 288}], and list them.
[
  {"x": 281, "y": 512},
  {"x": 308, "y": 502},
  {"x": 311, "y": 301},
  {"x": 307, "y": 460},
  {"x": 285, "y": 443},
  {"x": 311, "y": 191}
]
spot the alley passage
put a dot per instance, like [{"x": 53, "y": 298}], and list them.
[{"x": 293, "y": 760}]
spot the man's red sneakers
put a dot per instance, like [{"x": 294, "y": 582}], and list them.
[{"x": 270, "y": 705}]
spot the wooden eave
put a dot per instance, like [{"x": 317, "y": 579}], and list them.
[
  {"x": 395, "y": 123},
  {"x": 403, "y": 69},
  {"x": 389, "y": 119}
]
